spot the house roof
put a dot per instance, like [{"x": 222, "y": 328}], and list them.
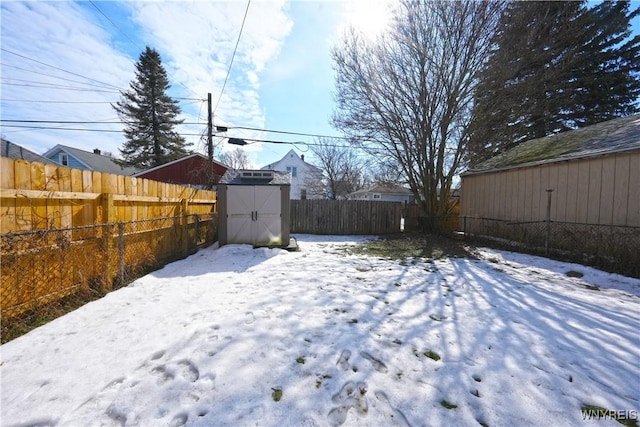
[
  {"x": 271, "y": 165},
  {"x": 235, "y": 177},
  {"x": 15, "y": 151},
  {"x": 93, "y": 161},
  {"x": 384, "y": 188},
  {"x": 181, "y": 159},
  {"x": 610, "y": 137}
]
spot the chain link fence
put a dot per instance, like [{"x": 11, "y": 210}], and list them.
[
  {"x": 609, "y": 247},
  {"x": 47, "y": 273}
]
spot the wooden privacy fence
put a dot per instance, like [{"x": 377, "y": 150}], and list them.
[
  {"x": 64, "y": 229},
  {"x": 345, "y": 217},
  {"x": 37, "y": 196}
]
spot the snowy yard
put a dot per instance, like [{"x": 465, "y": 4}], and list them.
[{"x": 237, "y": 337}]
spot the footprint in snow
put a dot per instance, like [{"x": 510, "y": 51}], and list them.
[
  {"x": 250, "y": 318},
  {"x": 343, "y": 360},
  {"x": 394, "y": 415},
  {"x": 189, "y": 370},
  {"x": 349, "y": 396},
  {"x": 377, "y": 364}
]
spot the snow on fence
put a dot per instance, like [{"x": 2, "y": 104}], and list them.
[
  {"x": 64, "y": 230},
  {"x": 345, "y": 217}
]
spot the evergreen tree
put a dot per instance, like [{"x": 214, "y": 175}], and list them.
[
  {"x": 150, "y": 115},
  {"x": 555, "y": 66}
]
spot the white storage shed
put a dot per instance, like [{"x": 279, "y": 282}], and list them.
[{"x": 254, "y": 208}]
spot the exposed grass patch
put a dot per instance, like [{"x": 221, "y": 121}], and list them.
[
  {"x": 300, "y": 360},
  {"x": 276, "y": 394},
  {"x": 432, "y": 355},
  {"x": 403, "y": 246},
  {"x": 447, "y": 404}
]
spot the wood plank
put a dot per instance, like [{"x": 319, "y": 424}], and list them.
[
  {"x": 53, "y": 204},
  {"x": 7, "y": 207},
  {"x": 38, "y": 204},
  {"x": 66, "y": 213},
  {"x": 22, "y": 170}
]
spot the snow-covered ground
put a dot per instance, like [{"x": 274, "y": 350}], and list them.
[{"x": 236, "y": 336}]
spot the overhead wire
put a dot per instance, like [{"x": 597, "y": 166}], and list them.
[
  {"x": 232, "y": 57},
  {"x": 57, "y": 68}
]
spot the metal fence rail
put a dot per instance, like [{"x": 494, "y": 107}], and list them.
[
  {"x": 611, "y": 247},
  {"x": 45, "y": 273}
]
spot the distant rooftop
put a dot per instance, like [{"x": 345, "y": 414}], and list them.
[
  {"x": 613, "y": 136},
  {"x": 14, "y": 151}
]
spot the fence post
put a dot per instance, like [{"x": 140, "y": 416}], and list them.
[
  {"x": 464, "y": 226},
  {"x": 197, "y": 230},
  {"x": 120, "y": 253},
  {"x": 108, "y": 214},
  {"x": 548, "y": 233},
  {"x": 184, "y": 205}
]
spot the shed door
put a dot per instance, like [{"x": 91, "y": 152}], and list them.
[
  {"x": 253, "y": 215},
  {"x": 240, "y": 205},
  {"x": 268, "y": 221}
]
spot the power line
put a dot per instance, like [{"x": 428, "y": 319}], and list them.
[
  {"x": 48, "y": 86},
  {"x": 43, "y": 74},
  {"x": 284, "y": 132},
  {"x": 232, "y": 56},
  {"x": 78, "y": 129},
  {"x": 83, "y": 122},
  {"x": 57, "y": 68}
]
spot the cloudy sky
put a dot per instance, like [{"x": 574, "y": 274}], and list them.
[{"x": 67, "y": 61}]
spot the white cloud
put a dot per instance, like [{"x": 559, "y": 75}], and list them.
[
  {"x": 195, "y": 40},
  {"x": 59, "y": 34}
]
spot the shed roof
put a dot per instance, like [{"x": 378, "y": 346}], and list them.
[
  {"x": 613, "y": 136},
  {"x": 235, "y": 177}
]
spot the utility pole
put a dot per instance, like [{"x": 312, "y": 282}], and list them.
[{"x": 210, "y": 140}]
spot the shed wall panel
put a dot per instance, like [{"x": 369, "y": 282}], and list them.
[
  {"x": 561, "y": 199},
  {"x": 621, "y": 190},
  {"x": 582, "y": 192},
  {"x": 607, "y": 190},
  {"x": 594, "y": 192},
  {"x": 633, "y": 218}
]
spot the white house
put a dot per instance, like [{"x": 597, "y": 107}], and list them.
[
  {"x": 383, "y": 192},
  {"x": 306, "y": 179}
]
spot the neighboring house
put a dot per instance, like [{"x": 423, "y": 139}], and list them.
[
  {"x": 383, "y": 192},
  {"x": 306, "y": 179},
  {"x": 80, "y": 159},
  {"x": 16, "y": 152},
  {"x": 585, "y": 176},
  {"x": 192, "y": 170}
]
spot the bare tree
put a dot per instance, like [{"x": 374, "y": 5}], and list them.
[
  {"x": 236, "y": 159},
  {"x": 343, "y": 169},
  {"x": 409, "y": 93}
]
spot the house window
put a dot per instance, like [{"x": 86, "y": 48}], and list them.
[
  {"x": 376, "y": 196},
  {"x": 293, "y": 170},
  {"x": 303, "y": 194},
  {"x": 64, "y": 159}
]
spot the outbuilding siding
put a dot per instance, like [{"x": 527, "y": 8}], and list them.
[{"x": 602, "y": 190}]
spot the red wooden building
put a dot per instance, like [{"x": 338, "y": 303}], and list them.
[{"x": 191, "y": 170}]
